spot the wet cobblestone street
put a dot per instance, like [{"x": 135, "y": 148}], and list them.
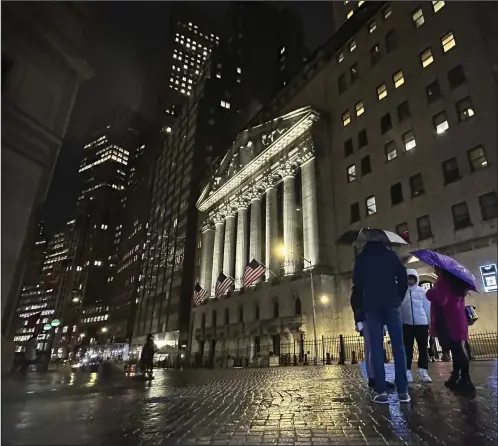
[{"x": 287, "y": 405}]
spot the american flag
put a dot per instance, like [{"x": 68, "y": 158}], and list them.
[
  {"x": 199, "y": 294},
  {"x": 254, "y": 270},
  {"x": 222, "y": 284}
]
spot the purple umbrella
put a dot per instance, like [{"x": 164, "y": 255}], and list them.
[{"x": 448, "y": 264}]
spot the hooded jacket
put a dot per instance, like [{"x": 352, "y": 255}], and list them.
[
  {"x": 415, "y": 309},
  {"x": 379, "y": 278}
]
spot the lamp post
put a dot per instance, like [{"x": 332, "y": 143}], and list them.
[{"x": 283, "y": 251}]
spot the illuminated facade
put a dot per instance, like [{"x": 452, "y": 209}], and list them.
[
  {"x": 231, "y": 89},
  {"x": 403, "y": 139}
]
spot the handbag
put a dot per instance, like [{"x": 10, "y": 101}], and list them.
[{"x": 471, "y": 313}]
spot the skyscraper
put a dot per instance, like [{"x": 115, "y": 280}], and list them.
[{"x": 235, "y": 81}]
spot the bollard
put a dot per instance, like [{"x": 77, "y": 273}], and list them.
[
  {"x": 329, "y": 362},
  {"x": 353, "y": 358},
  {"x": 342, "y": 351},
  {"x": 306, "y": 359}
]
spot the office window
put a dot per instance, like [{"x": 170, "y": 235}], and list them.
[
  {"x": 355, "y": 212},
  {"x": 424, "y": 230},
  {"x": 440, "y": 123},
  {"x": 371, "y": 205},
  {"x": 375, "y": 54},
  {"x": 362, "y": 138},
  {"x": 433, "y": 92},
  {"x": 437, "y": 5},
  {"x": 461, "y": 216},
  {"x": 366, "y": 167},
  {"x": 451, "y": 172},
  {"x": 489, "y": 206},
  {"x": 351, "y": 173},
  {"x": 416, "y": 185},
  {"x": 409, "y": 140},
  {"x": 402, "y": 231},
  {"x": 360, "y": 2},
  {"x": 426, "y": 57},
  {"x": 340, "y": 56},
  {"x": 381, "y": 91},
  {"x": 360, "y": 108},
  {"x": 456, "y": 77},
  {"x": 465, "y": 109},
  {"x": 348, "y": 147},
  {"x": 372, "y": 26},
  {"x": 448, "y": 41},
  {"x": 396, "y": 193},
  {"x": 346, "y": 118},
  {"x": 349, "y": 14},
  {"x": 391, "y": 41},
  {"x": 352, "y": 45},
  {"x": 398, "y": 79},
  {"x": 225, "y": 104},
  {"x": 391, "y": 152},
  {"x": 341, "y": 83},
  {"x": 355, "y": 73},
  {"x": 386, "y": 12},
  {"x": 418, "y": 17},
  {"x": 385, "y": 123},
  {"x": 403, "y": 111},
  {"x": 477, "y": 158}
]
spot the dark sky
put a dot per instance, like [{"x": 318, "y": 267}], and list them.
[{"x": 125, "y": 48}]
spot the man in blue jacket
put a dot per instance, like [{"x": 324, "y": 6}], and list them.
[{"x": 380, "y": 281}]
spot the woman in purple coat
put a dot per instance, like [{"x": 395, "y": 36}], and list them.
[{"x": 450, "y": 324}]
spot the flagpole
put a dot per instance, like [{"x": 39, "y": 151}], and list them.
[{"x": 267, "y": 269}]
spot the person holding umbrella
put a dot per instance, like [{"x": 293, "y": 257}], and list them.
[{"x": 449, "y": 320}]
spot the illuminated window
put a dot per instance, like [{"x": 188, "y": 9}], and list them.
[
  {"x": 371, "y": 205},
  {"x": 465, "y": 109},
  {"x": 346, "y": 118},
  {"x": 340, "y": 57},
  {"x": 239, "y": 70},
  {"x": 360, "y": 108},
  {"x": 372, "y": 26},
  {"x": 360, "y": 2},
  {"x": 352, "y": 45},
  {"x": 381, "y": 91},
  {"x": 418, "y": 18},
  {"x": 477, "y": 158},
  {"x": 351, "y": 173},
  {"x": 168, "y": 129},
  {"x": 448, "y": 41},
  {"x": 218, "y": 75},
  {"x": 386, "y": 12},
  {"x": 409, "y": 140},
  {"x": 104, "y": 227},
  {"x": 426, "y": 57},
  {"x": 355, "y": 72},
  {"x": 398, "y": 79},
  {"x": 437, "y": 5},
  {"x": 391, "y": 152},
  {"x": 225, "y": 104},
  {"x": 349, "y": 14},
  {"x": 440, "y": 123}
]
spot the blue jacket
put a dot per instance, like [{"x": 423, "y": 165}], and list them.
[
  {"x": 359, "y": 314},
  {"x": 379, "y": 278}
]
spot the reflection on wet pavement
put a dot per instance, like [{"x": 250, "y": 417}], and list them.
[{"x": 291, "y": 405}]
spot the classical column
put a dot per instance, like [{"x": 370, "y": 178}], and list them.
[
  {"x": 241, "y": 253},
  {"x": 219, "y": 222},
  {"x": 256, "y": 236},
  {"x": 229, "y": 254},
  {"x": 271, "y": 239},
  {"x": 310, "y": 219},
  {"x": 289, "y": 220},
  {"x": 207, "y": 256}
]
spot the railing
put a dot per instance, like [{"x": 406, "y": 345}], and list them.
[{"x": 331, "y": 350}]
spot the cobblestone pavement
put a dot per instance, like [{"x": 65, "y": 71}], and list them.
[{"x": 291, "y": 405}]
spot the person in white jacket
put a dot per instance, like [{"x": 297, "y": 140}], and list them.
[{"x": 415, "y": 312}]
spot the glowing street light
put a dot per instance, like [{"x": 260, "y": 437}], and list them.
[
  {"x": 104, "y": 329},
  {"x": 324, "y": 299}
]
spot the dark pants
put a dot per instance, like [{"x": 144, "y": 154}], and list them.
[
  {"x": 419, "y": 333},
  {"x": 376, "y": 321},
  {"x": 460, "y": 359}
]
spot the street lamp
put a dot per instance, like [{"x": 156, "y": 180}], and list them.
[
  {"x": 283, "y": 251},
  {"x": 104, "y": 329},
  {"x": 324, "y": 299}
]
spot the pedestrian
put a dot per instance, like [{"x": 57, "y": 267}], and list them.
[
  {"x": 30, "y": 354},
  {"x": 379, "y": 277},
  {"x": 433, "y": 354},
  {"x": 450, "y": 324},
  {"x": 415, "y": 311},
  {"x": 147, "y": 356},
  {"x": 361, "y": 326}
]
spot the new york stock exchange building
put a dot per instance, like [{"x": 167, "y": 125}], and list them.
[{"x": 325, "y": 160}]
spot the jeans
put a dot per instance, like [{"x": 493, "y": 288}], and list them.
[
  {"x": 420, "y": 333},
  {"x": 376, "y": 321},
  {"x": 368, "y": 351}
]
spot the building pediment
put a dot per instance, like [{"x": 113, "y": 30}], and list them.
[{"x": 252, "y": 150}]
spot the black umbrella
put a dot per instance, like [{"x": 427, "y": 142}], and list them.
[{"x": 370, "y": 235}]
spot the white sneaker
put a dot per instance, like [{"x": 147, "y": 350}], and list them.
[
  {"x": 409, "y": 376},
  {"x": 425, "y": 377}
]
